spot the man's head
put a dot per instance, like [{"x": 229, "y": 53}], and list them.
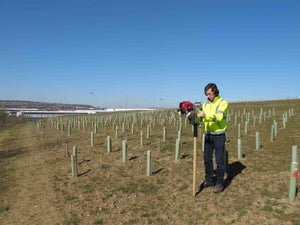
[{"x": 211, "y": 91}]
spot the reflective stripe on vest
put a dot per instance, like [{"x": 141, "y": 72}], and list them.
[
  {"x": 219, "y": 105},
  {"x": 216, "y": 132},
  {"x": 224, "y": 117}
]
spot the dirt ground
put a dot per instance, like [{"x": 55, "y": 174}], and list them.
[{"x": 37, "y": 187}]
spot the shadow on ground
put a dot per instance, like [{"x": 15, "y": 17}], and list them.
[{"x": 233, "y": 170}]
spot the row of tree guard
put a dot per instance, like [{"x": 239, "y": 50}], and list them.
[{"x": 127, "y": 120}]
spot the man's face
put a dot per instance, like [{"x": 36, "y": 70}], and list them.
[{"x": 210, "y": 94}]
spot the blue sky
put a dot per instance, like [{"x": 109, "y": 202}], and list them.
[{"x": 138, "y": 53}]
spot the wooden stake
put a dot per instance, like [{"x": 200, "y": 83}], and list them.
[
  {"x": 66, "y": 150},
  {"x": 149, "y": 163},
  {"x": 158, "y": 144}
]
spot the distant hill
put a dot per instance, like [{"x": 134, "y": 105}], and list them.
[{"x": 41, "y": 105}]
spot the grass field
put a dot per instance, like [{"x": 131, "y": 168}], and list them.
[{"x": 37, "y": 187}]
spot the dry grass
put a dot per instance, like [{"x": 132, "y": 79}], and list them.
[{"x": 36, "y": 185}]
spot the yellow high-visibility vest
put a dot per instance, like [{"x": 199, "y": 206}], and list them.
[{"x": 216, "y": 114}]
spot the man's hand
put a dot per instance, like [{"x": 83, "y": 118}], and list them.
[{"x": 202, "y": 114}]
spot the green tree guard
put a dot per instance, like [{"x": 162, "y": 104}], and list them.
[
  {"x": 246, "y": 127},
  {"x": 239, "y": 130},
  {"x": 177, "y": 150},
  {"x": 260, "y": 115},
  {"x": 75, "y": 150},
  {"x": 124, "y": 147},
  {"x": 75, "y": 159},
  {"x": 69, "y": 130},
  {"x": 272, "y": 132},
  {"x": 73, "y": 165},
  {"x": 148, "y": 131},
  {"x": 165, "y": 133},
  {"x": 179, "y": 135},
  {"x": 235, "y": 119},
  {"x": 142, "y": 136},
  {"x": 239, "y": 143},
  {"x": 92, "y": 139},
  {"x": 229, "y": 117},
  {"x": 293, "y": 181},
  {"x": 294, "y": 153},
  {"x": 149, "y": 163},
  {"x": 108, "y": 144},
  {"x": 257, "y": 141},
  {"x": 142, "y": 122},
  {"x": 254, "y": 120},
  {"x": 117, "y": 128}
]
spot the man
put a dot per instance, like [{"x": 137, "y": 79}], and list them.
[{"x": 214, "y": 117}]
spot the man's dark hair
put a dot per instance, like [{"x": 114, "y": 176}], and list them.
[{"x": 213, "y": 87}]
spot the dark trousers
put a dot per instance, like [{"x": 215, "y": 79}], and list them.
[{"x": 216, "y": 142}]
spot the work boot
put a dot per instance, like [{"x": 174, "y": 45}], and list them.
[
  {"x": 206, "y": 185},
  {"x": 219, "y": 188}
]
